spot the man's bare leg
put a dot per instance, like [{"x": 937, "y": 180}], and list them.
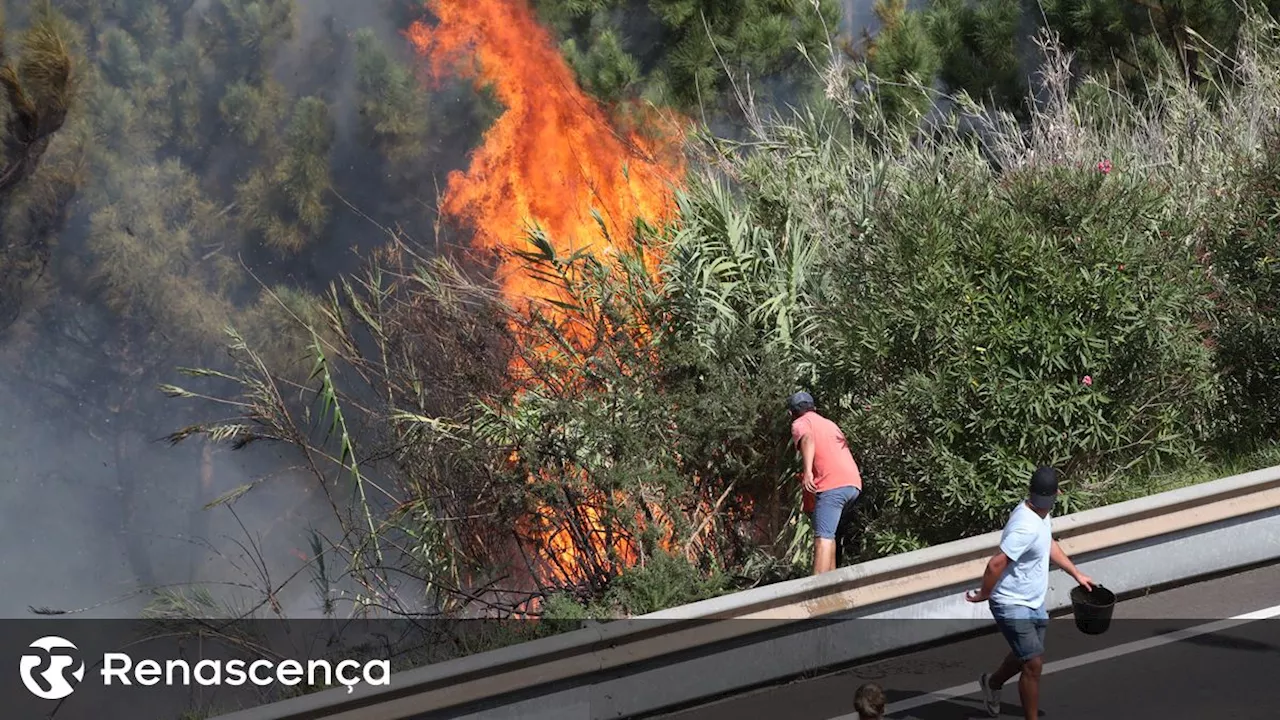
[
  {"x": 1029, "y": 688},
  {"x": 824, "y": 556},
  {"x": 1028, "y": 681},
  {"x": 1008, "y": 668}
]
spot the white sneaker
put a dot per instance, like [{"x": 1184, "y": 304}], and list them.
[{"x": 990, "y": 698}]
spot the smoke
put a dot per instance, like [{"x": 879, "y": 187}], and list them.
[
  {"x": 84, "y": 525},
  {"x": 95, "y": 509}
]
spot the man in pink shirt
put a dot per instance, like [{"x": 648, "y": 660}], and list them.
[{"x": 830, "y": 474}]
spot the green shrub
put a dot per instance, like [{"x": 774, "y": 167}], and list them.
[
  {"x": 1245, "y": 257},
  {"x": 983, "y": 328},
  {"x": 665, "y": 581}
]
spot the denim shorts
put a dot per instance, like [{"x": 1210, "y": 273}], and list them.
[
  {"x": 829, "y": 507},
  {"x": 1022, "y": 627}
]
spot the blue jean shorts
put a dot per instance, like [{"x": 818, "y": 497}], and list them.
[
  {"x": 1022, "y": 627},
  {"x": 829, "y": 507}
]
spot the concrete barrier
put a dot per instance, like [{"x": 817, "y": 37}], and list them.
[{"x": 722, "y": 645}]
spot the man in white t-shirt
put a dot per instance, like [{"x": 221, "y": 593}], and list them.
[{"x": 1015, "y": 585}]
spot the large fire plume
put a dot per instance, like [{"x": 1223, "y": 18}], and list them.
[
  {"x": 551, "y": 159},
  {"x": 553, "y": 156}
]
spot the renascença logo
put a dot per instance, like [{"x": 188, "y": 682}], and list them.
[
  {"x": 55, "y": 685},
  {"x": 117, "y": 666},
  {"x": 50, "y": 683}
]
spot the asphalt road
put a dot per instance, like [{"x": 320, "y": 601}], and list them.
[{"x": 1212, "y": 667}]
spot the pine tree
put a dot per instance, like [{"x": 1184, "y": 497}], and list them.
[
  {"x": 902, "y": 56},
  {"x": 122, "y": 62},
  {"x": 182, "y": 67},
  {"x": 976, "y": 43},
  {"x": 147, "y": 237},
  {"x": 393, "y": 109},
  {"x": 148, "y": 21},
  {"x": 253, "y": 111},
  {"x": 287, "y": 203},
  {"x": 242, "y": 36},
  {"x": 757, "y": 37},
  {"x": 977, "y": 46},
  {"x": 1122, "y": 34},
  {"x": 676, "y": 51},
  {"x": 605, "y": 69}
]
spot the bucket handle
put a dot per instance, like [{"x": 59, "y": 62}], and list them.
[{"x": 1097, "y": 586}]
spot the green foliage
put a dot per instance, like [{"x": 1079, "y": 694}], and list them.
[
  {"x": 36, "y": 97},
  {"x": 122, "y": 63},
  {"x": 281, "y": 323},
  {"x": 904, "y": 59},
  {"x": 632, "y": 427},
  {"x": 127, "y": 129},
  {"x": 616, "y": 48},
  {"x": 148, "y": 22},
  {"x": 253, "y": 111},
  {"x": 944, "y": 294},
  {"x": 975, "y": 47},
  {"x": 1121, "y": 36},
  {"x": 978, "y": 47},
  {"x": 982, "y": 330},
  {"x": 665, "y": 581},
  {"x": 152, "y": 226},
  {"x": 737, "y": 274},
  {"x": 90, "y": 14},
  {"x": 393, "y": 107},
  {"x": 289, "y": 204},
  {"x": 1245, "y": 254},
  {"x": 605, "y": 70},
  {"x": 242, "y": 36},
  {"x": 759, "y": 38},
  {"x": 970, "y": 47},
  {"x": 947, "y": 313},
  {"x": 183, "y": 66}
]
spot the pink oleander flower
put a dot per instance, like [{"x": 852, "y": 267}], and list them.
[
  {"x": 1104, "y": 167},
  {"x": 1088, "y": 381}
]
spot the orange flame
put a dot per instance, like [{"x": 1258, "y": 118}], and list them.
[
  {"x": 553, "y": 156},
  {"x": 551, "y": 159}
]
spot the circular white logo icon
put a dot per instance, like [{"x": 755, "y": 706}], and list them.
[{"x": 51, "y": 682}]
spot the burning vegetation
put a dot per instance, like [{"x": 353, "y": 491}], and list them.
[{"x": 553, "y": 169}]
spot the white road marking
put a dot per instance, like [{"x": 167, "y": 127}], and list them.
[{"x": 1074, "y": 662}]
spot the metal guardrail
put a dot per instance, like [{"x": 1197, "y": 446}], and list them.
[{"x": 857, "y": 590}]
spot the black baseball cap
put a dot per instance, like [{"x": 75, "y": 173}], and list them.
[
  {"x": 799, "y": 401},
  {"x": 1044, "y": 488}
]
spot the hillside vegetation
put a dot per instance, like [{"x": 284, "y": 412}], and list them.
[
  {"x": 969, "y": 284},
  {"x": 967, "y": 298}
]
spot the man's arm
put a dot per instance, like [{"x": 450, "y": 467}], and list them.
[
  {"x": 995, "y": 567},
  {"x": 806, "y": 452},
  {"x": 1014, "y": 541},
  {"x": 1059, "y": 558}
]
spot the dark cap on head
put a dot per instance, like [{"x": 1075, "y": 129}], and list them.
[
  {"x": 800, "y": 401},
  {"x": 1044, "y": 488}
]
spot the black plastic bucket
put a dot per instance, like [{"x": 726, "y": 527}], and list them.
[{"x": 1092, "y": 609}]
